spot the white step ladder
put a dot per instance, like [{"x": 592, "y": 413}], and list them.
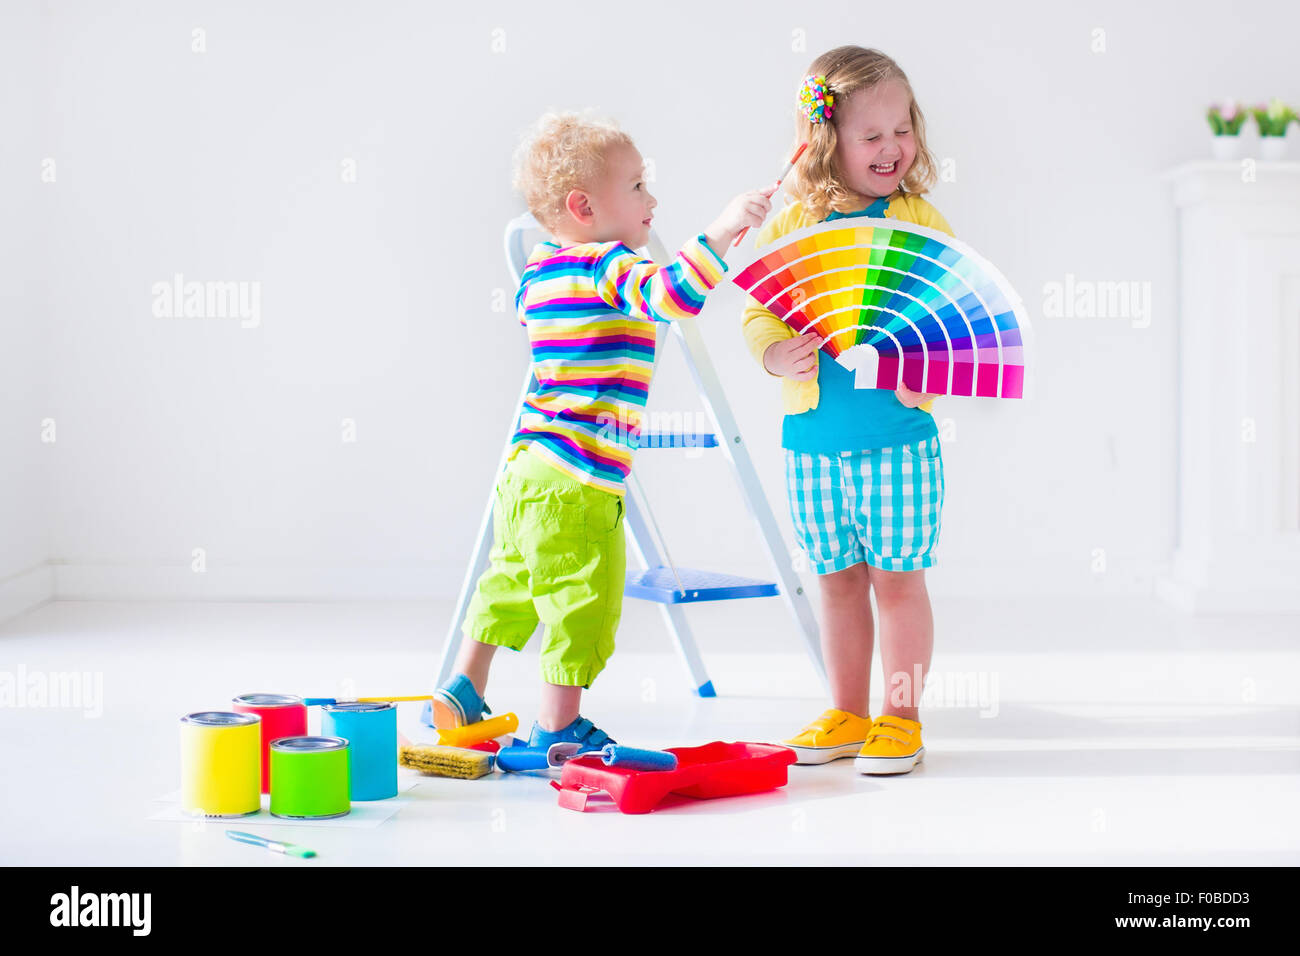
[{"x": 671, "y": 587}]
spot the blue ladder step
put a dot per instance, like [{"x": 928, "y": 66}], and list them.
[
  {"x": 678, "y": 440},
  {"x": 658, "y": 584}
]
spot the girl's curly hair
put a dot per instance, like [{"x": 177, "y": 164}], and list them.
[{"x": 816, "y": 181}]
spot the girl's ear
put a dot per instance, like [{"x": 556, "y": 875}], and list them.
[{"x": 578, "y": 205}]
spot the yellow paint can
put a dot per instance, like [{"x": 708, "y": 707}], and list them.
[{"x": 221, "y": 763}]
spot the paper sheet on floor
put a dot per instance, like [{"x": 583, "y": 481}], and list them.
[{"x": 365, "y": 814}]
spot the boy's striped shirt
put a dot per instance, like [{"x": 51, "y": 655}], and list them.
[{"x": 590, "y": 311}]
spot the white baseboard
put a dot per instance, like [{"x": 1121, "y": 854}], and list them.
[
  {"x": 993, "y": 580},
  {"x": 1048, "y": 576},
  {"x": 442, "y": 581},
  {"x": 25, "y": 591},
  {"x": 1266, "y": 581},
  {"x": 1200, "y": 599},
  {"x": 99, "y": 582}
]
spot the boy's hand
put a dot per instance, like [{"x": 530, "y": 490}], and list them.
[
  {"x": 748, "y": 210},
  {"x": 910, "y": 398},
  {"x": 794, "y": 358}
]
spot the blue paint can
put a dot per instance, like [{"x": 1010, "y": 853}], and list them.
[{"x": 371, "y": 731}]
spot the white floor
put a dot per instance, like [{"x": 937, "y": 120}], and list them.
[{"x": 1101, "y": 731}]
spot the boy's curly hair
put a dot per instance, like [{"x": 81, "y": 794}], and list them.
[
  {"x": 815, "y": 181},
  {"x": 560, "y": 153}
]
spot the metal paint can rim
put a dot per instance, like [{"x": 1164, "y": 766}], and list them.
[
  {"x": 359, "y": 707},
  {"x": 220, "y": 816},
  {"x": 220, "y": 718},
  {"x": 309, "y": 744},
  {"x": 267, "y": 700},
  {"x": 328, "y": 816}
]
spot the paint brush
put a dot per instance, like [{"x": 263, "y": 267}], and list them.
[
  {"x": 252, "y": 839},
  {"x": 784, "y": 173},
  {"x": 318, "y": 701}
]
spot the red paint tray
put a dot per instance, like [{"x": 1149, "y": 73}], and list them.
[{"x": 714, "y": 770}]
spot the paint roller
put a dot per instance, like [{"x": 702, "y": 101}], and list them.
[{"x": 521, "y": 759}]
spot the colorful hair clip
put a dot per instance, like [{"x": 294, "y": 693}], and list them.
[{"x": 815, "y": 99}]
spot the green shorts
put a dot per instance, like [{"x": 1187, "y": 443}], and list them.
[{"x": 558, "y": 558}]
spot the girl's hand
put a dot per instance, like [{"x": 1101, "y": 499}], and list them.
[
  {"x": 912, "y": 399},
  {"x": 748, "y": 210},
  {"x": 794, "y": 358}
]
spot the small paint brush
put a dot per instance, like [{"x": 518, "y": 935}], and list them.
[
  {"x": 252, "y": 839},
  {"x": 318, "y": 701},
  {"x": 784, "y": 173}
]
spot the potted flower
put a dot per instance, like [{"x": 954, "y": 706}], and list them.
[
  {"x": 1273, "y": 122},
  {"x": 1226, "y": 120}
]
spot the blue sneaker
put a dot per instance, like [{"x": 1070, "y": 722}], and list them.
[
  {"x": 582, "y": 731},
  {"x": 455, "y": 704}
]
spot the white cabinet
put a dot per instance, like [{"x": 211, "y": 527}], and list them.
[{"x": 1238, "y": 547}]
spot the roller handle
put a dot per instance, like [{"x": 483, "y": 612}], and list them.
[{"x": 521, "y": 759}]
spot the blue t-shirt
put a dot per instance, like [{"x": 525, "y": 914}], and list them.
[{"x": 848, "y": 418}]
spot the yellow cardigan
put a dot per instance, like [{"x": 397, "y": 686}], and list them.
[{"x": 762, "y": 328}]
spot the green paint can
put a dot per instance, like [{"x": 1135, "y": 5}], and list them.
[{"x": 309, "y": 778}]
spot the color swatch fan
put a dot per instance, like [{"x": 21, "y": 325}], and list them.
[{"x": 897, "y": 304}]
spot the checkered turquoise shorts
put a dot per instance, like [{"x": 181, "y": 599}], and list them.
[{"x": 882, "y": 506}]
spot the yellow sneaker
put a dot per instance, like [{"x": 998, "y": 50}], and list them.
[
  {"x": 893, "y": 746},
  {"x": 835, "y": 734}
]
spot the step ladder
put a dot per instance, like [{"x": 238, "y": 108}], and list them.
[{"x": 659, "y": 580}]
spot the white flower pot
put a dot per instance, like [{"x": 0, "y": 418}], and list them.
[
  {"x": 1273, "y": 147},
  {"x": 1226, "y": 147}
]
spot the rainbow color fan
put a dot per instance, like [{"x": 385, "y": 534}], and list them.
[{"x": 897, "y": 304}]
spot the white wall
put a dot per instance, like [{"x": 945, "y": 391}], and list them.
[
  {"x": 176, "y": 433},
  {"x": 26, "y": 462}
]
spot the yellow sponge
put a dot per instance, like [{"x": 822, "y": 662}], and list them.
[{"x": 440, "y": 761}]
